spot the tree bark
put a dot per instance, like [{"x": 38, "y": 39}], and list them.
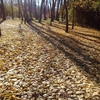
[
  {"x": 57, "y": 13},
  {"x": 20, "y": 6},
  {"x": 0, "y": 31},
  {"x": 25, "y": 12},
  {"x": 41, "y": 11},
  {"x": 3, "y": 10},
  {"x": 30, "y": 9},
  {"x": 22, "y": 10},
  {"x": 18, "y": 9},
  {"x": 12, "y": 9},
  {"x": 73, "y": 16},
  {"x": 53, "y": 10},
  {"x": 35, "y": 14},
  {"x": 44, "y": 9},
  {"x": 62, "y": 12},
  {"x": 65, "y": 4}
]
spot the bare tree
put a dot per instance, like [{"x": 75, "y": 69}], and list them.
[
  {"x": 53, "y": 3},
  {"x": 65, "y": 4},
  {"x": 73, "y": 16},
  {"x": 20, "y": 10},
  {"x": 19, "y": 7},
  {"x": 26, "y": 19},
  {"x": 42, "y": 2},
  {"x": 30, "y": 9},
  {"x": 62, "y": 12},
  {"x": 53, "y": 10},
  {"x": 0, "y": 11},
  {"x": 3, "y": 10},
  {"x": 44, "y": 10},
  {"x": 57, "y": 13},
  {"x": 49, "y": 8},
  {"x": 0, "y": 31},
  {"x": 35, "y": 12},
  {"x": 12, "y": 9},
  {"x": 3, "y": 14}
]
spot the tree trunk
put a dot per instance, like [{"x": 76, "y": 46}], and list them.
[
  {"x": 12, "y": 9},
  {"x": 73, "y": 17},
  {"x": 50, "y": 11},
  {"x": 41, "y": 11},
  {"x": 3, "y": 10},
  {"x": 62, "y": 12},
  {"x": 53, "y": 10},
  {"x": 0, "y": 31},
  {"x": 57, "y": 13},
  {"x": 35, "y": 14},
  {"x": 44, "y": 12},
  {"x": 30, "y": 9},
  {"x": 38, "y": 14},
  {"x": 65, "y": 4},
  {"x": 25, "y": 12},
  {"x": 20, "y": 9}
]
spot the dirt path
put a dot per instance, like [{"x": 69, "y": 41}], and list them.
[{"x": 40, "y": 65}]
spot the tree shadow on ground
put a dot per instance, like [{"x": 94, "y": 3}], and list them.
[
  {"x": 87, "y": 36},
  {"x": 72, "y": 49},
  {"x": 83, "y": 35},
  {"x": 56, "y": 26},
  {"x": 90, "y": 35}
]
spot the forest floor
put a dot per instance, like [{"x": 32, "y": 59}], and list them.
[{"x": 42, "y": 62}]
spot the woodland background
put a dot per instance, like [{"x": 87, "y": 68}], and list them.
[{"x": 79, "y": 12}]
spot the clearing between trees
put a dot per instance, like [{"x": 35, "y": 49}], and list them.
[{"x": 42, "y": 62}]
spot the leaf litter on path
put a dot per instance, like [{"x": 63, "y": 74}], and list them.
[{"x": 32, "y": 68}]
